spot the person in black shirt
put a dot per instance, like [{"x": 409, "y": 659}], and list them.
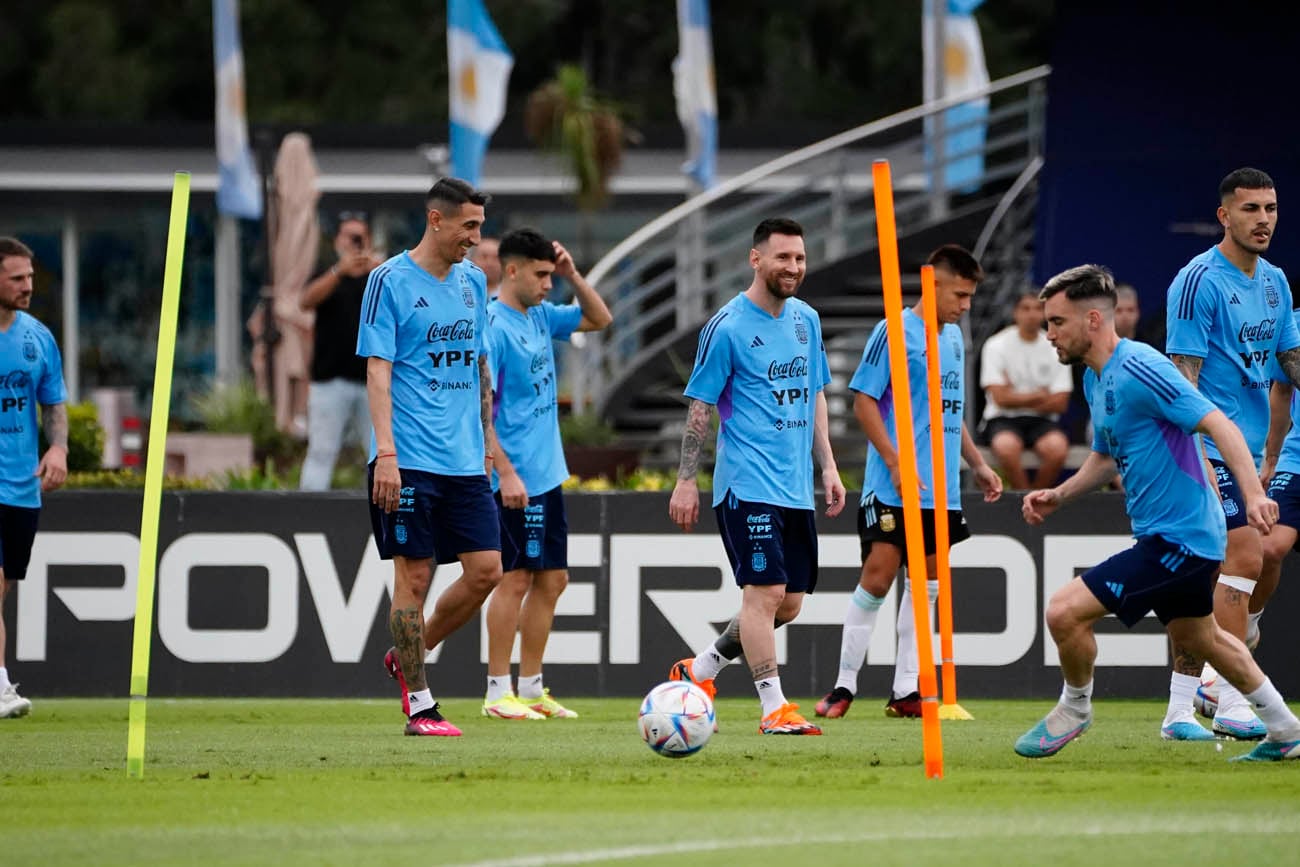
[{"x": 336, "y": 398}]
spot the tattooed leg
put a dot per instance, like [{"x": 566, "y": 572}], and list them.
[{"x": 407, "y": 628}]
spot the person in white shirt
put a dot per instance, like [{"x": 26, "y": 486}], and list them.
[{"x": 1026, "y": 389}]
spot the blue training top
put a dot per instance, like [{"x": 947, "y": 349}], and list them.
[
  {"x": 523, "y": 375},
  {"x": 763, "y": 374},
  {"x": 1236, "y": 324},
  {"x": 31, "y": 372},
  {"x": 872, "y": 379},
  {"x": 433, "y": 331},
  {"x": 1144, "y": 414}
]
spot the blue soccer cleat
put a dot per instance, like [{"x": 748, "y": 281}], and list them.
[
  {"x": 1040, "y": 742},
  {"x": 1271, "y": 751},
  {"x": 1186, "y": 730},
  {"x": 1247, "y": 728}
]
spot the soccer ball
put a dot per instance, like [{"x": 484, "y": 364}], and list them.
[
  {"x": 676, "y": 719},
  {"x": 1206, "y": 700}
]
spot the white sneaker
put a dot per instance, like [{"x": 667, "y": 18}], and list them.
[{"x": 12, "y": 704}]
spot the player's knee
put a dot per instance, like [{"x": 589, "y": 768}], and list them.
[
  {"x": 551, "y": 583},
  {"x": 1062, "y": 619},
  {"x": 483, "y": 578},
  {"x": 788, "y": 610}
]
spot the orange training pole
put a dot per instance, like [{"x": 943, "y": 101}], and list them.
[
  {"x": 887, "y": 234},
  {"x": 930, "y": 309}
]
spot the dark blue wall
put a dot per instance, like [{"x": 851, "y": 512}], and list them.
[{"x": 1150, "y": 105}]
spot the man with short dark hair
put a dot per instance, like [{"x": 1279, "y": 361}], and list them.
[
  {"x": 32, "y": 368},
  {"x": 762, "y": 363},
  {"x": 1146, "y": 421},
  {"x": 336, "y": 397},
  {"x": 529, "y": 466},
  {"x": 422, "y": 332}
]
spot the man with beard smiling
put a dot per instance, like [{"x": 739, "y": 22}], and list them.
[
  {"x": 761, "y": 362},
  {"x": 1145, "y": 424},
  {"x": 1228, "y": 316}
]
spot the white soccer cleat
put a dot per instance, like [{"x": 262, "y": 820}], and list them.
[{"x": 12, "y": 704}]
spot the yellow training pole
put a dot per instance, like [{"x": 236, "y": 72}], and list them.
[
  {"x": 938, "y": 454},
  {"x": 153, "y": 474},
  {"x": 886, "y": 232}
]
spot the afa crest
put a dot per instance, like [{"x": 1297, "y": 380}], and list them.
[
  {"x": 758, "y": 562},
  {"x": 399, "y": 533},
  {"x": 1109, "y": 401},
  {"x": 29, "y": 350},
  {"x": 1270, "y": 295},
  {"x": 466, "y": 291},
  {"x": 533, "y": 549},
  {"x": 800, "y": 331},
  {"x": 887, "y": 522}
]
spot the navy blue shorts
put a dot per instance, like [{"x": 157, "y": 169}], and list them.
[
  {"x": 535, "y": 537},
  {"x": 1285, "y": 489},
  {"x": 769, "y": 544},
  {"x": 437, "y": 516},
  {"x": 17, "y": 533},
  {"x": 1234, "y": 507},
  {"x": 1154, "y": 575},
  {"x": 878, "y": 522}
]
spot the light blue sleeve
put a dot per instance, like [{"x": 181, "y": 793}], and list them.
[
  {"x": 51, "y": 389},
  {"x": 561, "y": 319},
  {"x": 823, "y": 366},
  {"x": 1288, "y": 335},
  {"x": 377, "y": 332},
  {"x": 1189, "y": 318},
  {"x": 1155, "y": 387},
  {"x": 872, "y": 375},
  {"x": 713, "y": 365},
  {"x": 1275, "y": 371}
]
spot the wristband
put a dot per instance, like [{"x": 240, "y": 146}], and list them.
[{"x": 379, "y": 455}]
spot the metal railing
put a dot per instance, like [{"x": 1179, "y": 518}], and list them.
[{"x": 667, "y": 277}]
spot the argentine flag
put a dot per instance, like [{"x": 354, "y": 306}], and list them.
[
  {"x": 964, "y": 71},
  {"x": 239, "y": 187},
  {"x": 478, "y": 70},
  {"x": 697, "y": 102}
]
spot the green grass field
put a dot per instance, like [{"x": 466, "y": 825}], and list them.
[{"x": 335, "y": 782}]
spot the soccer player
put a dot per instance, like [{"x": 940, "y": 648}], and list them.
[
  {"x": 529, "y": 465},
  {"x": 33, "y": 373},
  {"x": 761, "y": 362},
  {"x": 1145, "y": 420},
  {"x": 880, "y": 514},
  {"x": 423, "y": 333},
  {"x": 1228, "y": 315}
]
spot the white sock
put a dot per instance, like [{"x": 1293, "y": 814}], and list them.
[
  {"x": 422, "y": 700},
  {"x": 1272, "y": 710},
  {"x": 1078, "y": 699},
  {"x": 1252, "y": 625},
  {"x": 907, "y": 665},
  {"x": 769, "y": 693},
  {"x": 707, "y": 665},
  {"x": 859, "y": 623},
  {"x": 1230, "y": 700},
  {"x": 1182, "y": 689},
  {"x": 498, "y": 686},
  {"x": 530, "y": 687},
  {"x": 4, "y": 678}
]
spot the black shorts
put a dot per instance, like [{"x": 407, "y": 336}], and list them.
[
  {"x": 1284, "y": 488},
  {"x": 878, "y": 522},
  {"x": 437, "y": 516},
  {"x": 769, "y": 544},
  {"x": 535, "y": 537},
  {"x": 1234, "y": 507},
  {"x": 17, "y": 533},
  {"x": 1154, "y": 575},
  {"x": 1030, "y": 428}
]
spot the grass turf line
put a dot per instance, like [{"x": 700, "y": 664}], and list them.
[{"x": 335, "y": 782}]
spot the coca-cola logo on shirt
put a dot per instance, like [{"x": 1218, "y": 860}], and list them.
[
  {"x": 1262, "y": 330},
  {"x": 793, "y": 369},
  {"x": 16, "y": 379},
  {"x": 461, "y": 329}
]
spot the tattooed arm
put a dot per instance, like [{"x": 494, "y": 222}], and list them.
[
  {"x": 1279, "y": 425},
  {"x": 1190, "y": 367},
  {"x": 53, "y": 468},
  {"x": 513, "y": 493},
  {"x": 684, "y": 507}
]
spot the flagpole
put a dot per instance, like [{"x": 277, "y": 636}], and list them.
[{"x": 935, "y": 36}]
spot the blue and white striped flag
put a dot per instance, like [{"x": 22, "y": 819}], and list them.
[
  {"x": 964, "y": 71},
  {"x": 239, "y": 188},
  {"x": 693, "y": 84},
  {"x": 478, "y": 70}
]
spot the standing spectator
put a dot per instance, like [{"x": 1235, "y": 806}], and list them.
[
  {"x": 336, "y": 398},
  {"x": 1026, "y": 391},
  {"x": 32, "y": 373},
  {"x": 1127, "y": 311}
]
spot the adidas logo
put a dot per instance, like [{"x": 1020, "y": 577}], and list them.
[
  {"x": 1234, "y": 299},
  {"x": 1117, "y": 589},
  {"x": 764, "y": 684},
  {"x": 421, "y": 302},
  {"x": 758, "y": 341}
]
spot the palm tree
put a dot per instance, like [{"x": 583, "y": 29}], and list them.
[{"x": 567, "y": 116}]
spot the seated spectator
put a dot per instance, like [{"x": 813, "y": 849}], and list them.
[
  {"x": 1026, "y": 388},
  {"x": 1127, "y": 312}
]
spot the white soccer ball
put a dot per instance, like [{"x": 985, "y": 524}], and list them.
[
  {"x": 1206, "y": 700},
  {"x": 676, "y": 719}
]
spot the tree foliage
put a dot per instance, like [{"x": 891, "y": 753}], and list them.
[{"x": 831, "y": 62}]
